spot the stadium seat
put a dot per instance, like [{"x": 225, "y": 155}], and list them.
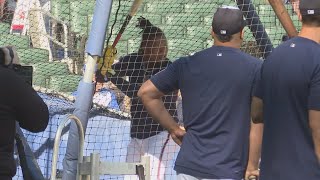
[
  {"x": 173, "y": 31},
  {"x": 183, "y": 19},
  {"x": 186, "y": 46},
  {"x": 84, "y": 7},
  {"x": 61, "y": 9},
  {"x": 124, "y": 7},
  {"x": 122, "y": 47},
  {"x": 202, "y": 32},
  {"x": 50, "y": 68},
  {"x": 295, "y": 20},
  {"x": 174, "y": 54},
  {"x": 297, "y": 23},
  {"x": 44, "y": 70},
  {"x": 15, "y": 40},
  {"x": 207, "y": 20},
  {"x": 209, "y": 43},
  {"x": 81, "y": 29},
  {"x": 268, "y": 21},
  {"x": 4, "y": 28},
  {"x": 155, "y": 19},
  {"x": 33, "y": 55},
  {"x": 289, "y": 8},
  {"x": 183, "y": 47},
  {"x": 217, "y": 2},
  {"x": 201, "y": 8},
  {"x": 275, "y": 34},
  {"x": 265, "y": 10},
  {"x": 40, "y": 80},
  {"x": 64, "y": 83},
  {"x": 81, "y": 23},
  {"x": 260, "y": 2},
  {"x": 61, "y": 1},
  {"x": 163, "y": 7},
  {"x": 129, "y": 33},
  {"x": 248, "y": 36},
  {"x": 175, "y": 1},
  {"x": 133, "y": 45},
  {"x": 186, "y": 43}
]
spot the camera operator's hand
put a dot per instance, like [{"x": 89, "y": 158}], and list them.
[{"x": 9, "y": 56}]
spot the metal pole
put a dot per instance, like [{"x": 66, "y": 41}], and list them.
[
  {"x": 95, "y": 166},
  {"x": 57, "y": 141},
  {"x": 83, "y": 102}
]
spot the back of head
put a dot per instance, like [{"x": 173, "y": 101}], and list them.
[
  {"x": 228, "y": 24},
  {"x": 310, "y": 12},
  {"x": 154, "y": 45}
]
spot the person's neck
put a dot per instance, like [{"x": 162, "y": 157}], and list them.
[
  {"x": 228, "y": 44},
  {"x": 312, "y": 33}
]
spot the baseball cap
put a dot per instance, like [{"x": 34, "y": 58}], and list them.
[
  {"x": 309, "y": 7},
  {"x": 228, "y": 20}
]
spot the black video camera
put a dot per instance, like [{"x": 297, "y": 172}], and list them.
[{"x": 25, "y": 72}]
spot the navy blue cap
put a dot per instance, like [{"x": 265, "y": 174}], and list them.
[
  {"x": 309, "y": 7},
  {"x": 228, "y": 20}
]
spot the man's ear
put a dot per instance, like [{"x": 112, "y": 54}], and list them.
[
  {"x": 242, "y": 34},
  {"x": 212, "y": 33}
]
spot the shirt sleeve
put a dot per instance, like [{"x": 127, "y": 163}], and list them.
[
  {"x": 167, "y": 80},
  {"x": 314, "y": 96},
  {"x": 257, "y": 85},
  {"x": 30, "y": 110}
]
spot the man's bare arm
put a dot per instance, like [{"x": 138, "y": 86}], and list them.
[
  {"x": 254, "y": 149},
  {"x": 152, "y": 100},
  {"x": 255, "y": 138},
  {"x": 314, "y": 122}
]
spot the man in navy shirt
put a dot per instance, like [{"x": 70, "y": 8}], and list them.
[
  {"x": 147, "y": 136},
  {"x": 216, "y": 85},
  {"x": 290, "y": 90}
]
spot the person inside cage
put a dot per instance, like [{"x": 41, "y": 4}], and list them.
[
  {"x": 105, "y": 95},
  {"x": 147, "y": 136}
]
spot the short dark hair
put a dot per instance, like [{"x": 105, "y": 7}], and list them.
[
  {"x": 311, "y": 20},
  {"x": 224, "y": 38}
]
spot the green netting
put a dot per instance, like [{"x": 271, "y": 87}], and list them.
[
  {"x": 50, "y": 69},
  {"x": 33, "y": 55},
  {"x": 14, "y": 40},
  {"x": 4, "y": 28},
  {"x": 64, "y": 83},
  {"x": 61, "y": 9}
]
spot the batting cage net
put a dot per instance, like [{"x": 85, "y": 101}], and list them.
[{"x": 51, "y": 36}]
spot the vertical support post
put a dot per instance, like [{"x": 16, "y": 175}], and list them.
[
  {"x": 66, "y": 38},
  {"x": 145, "y": 160},
  {"x": 86, "y": 159},
  {"x": 83, "y": 102},
  {"x": 95, "y": 166}
]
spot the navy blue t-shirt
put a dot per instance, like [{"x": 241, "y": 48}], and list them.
[
  {"x": 290, "y": 86},
  {"x": 216, "y": 86}
]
